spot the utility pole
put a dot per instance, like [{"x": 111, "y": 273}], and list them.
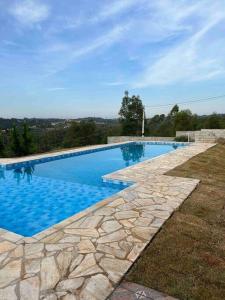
[{"x": 143, "y": 122}]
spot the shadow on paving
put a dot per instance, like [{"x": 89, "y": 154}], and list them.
[{"x": 186, "y": 259}]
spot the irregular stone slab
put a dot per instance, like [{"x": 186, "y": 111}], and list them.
[
  {"x": 6, "y": 246},
  {"x": 8, "y": 293},
  {"x": 49, "y": 273},
  {"x": 53, "y": 238},
  {"x": 64, "y": 260},
  {"x": 116, "y": 202},
  {"x": 10, "y": 272},
  {"x": 136, "y": 251},
  {"x": 112, "y": 237},
  {"x": 17, "y": 252},
  {"x": 32, "y": 266},
  {"x": 127, "y": 214},
  {"x": 126, "y": 246},
  {"x": 76, "y": 262},
  {"x": 157, "y": 223},
  {"x": 126, "y": 223},
  {"x": 105, "y": 211},
  {"x": 144, "y": 202},
  {"x": 161, "y": 214},
  {"x": 127, "y": 206},
  {"x": 143, "y": 221},
  {"x": 143, "y": 196},
  {"x": 91, "y": 222},
  {"x": 107, "y": 218},
  {"x": 98, "y": 256},
  {"x": 145, "y": 233},
  {"x": 114, "y": 267},
  {"x": 114, "y": 245},
  {"x": 110, "y": 226},
  {"x": 11, "y": 236},
  {"x": 70, "y": 284},
  {"x": 83, "y": 232},
  {"x": 87, "y": 267},
  {"x": 50, "y": 297},
  {"x": 98, "y": 287},
  {"x": 69, "y": 297},
  {"x": 70, "y": 239},
  {"x": 57, "y": 247},
  {"x": 29, "y": 288},
  {"x": 34, "y": 250},
  {"x": 86, "y": 246},
  {"x": 109, "y": 250},
  {"x": 3, "y": 258}
]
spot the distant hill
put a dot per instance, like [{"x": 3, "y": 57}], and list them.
[{"x": 50, "y": 122}]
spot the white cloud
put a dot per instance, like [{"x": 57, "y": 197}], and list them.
[
  {"x": 54, "y": 89},
  {"x": 69, "y": 53},
  {"x": 115, "y": 8},
  {"x": 9, "y": 43},
  {"x": 104, "y": 41},
  {"x": 114, "y": 83},
  {"x": 195, "y": 58},
  {"x": 30, "y": 11}
]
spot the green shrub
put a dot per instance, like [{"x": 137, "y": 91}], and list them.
[{"x": 182, "y": 138}]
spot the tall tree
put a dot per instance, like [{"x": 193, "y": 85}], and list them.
[
  {"x": 183, "y": 120},
  {"x": 174, "y": 110},
  {"x": 2, "y": 146},
  {"x": 27, "y": 140},
  {"x": 131, "y": 114},
  {"x": 16, "y": 144}
]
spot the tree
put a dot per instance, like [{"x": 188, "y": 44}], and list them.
[
  {"x": 81, "y": 134},
  {"x": 27, "y": 140},
  {"x": 174, "y": 111},
  {"x": 16, "y": 144},
  {"x": 183, "y": 120},
  {"x": 131, "y": 114},
  {"x": 213, "y": 122},
  {"x": 71, "y": 135},
  {"x": 2, "y": 146},
  {"x": 87, "y": 133}
]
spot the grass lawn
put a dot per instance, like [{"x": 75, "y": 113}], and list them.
[{"x": 187, "y": 257}]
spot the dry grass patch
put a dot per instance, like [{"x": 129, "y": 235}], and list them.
[{"x": 187, "y": 257}]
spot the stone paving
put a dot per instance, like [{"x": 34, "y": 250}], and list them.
[{"x": 85, "y": 256}]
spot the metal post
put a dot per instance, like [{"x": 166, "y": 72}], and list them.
[
  {"x": 188, "y": 137},
  {"x": 143, "y": 123}
]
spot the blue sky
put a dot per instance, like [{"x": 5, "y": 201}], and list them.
[{"x": 75, "y": 58}]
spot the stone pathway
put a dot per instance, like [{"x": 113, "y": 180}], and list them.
[
  {"x": 85, "y": 256},
  {"x": 132, "y": 291}
]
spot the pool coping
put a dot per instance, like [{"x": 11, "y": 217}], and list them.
[
  {"x": 16, "y": 251},
  {"x": 46, "y": 157}
]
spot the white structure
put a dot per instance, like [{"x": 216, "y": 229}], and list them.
[{"x": 203, "y": 135}]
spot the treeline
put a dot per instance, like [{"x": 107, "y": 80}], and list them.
[
  {"x": 21, "y": 140},
  {"x": 182, "y": 120},
  {"x": 131, "y": 117},
  {"x": 31, "y": 136}
]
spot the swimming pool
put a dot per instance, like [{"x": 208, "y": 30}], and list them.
[{"x": 38, "y": 194}]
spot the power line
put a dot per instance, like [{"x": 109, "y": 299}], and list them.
[{"x": 187, "y": 102}]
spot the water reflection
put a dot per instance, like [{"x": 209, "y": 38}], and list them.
[
  {"x": 175, "y": 146},
  {"x": 132, "y": 153},
  {"x": 2, "y": 173},
  {"x": 24, "y": 173}
]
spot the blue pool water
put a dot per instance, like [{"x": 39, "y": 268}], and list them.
[{"x": 38, "y": 195}]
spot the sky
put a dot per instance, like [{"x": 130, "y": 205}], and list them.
[{"x": 75, "y": 58}]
